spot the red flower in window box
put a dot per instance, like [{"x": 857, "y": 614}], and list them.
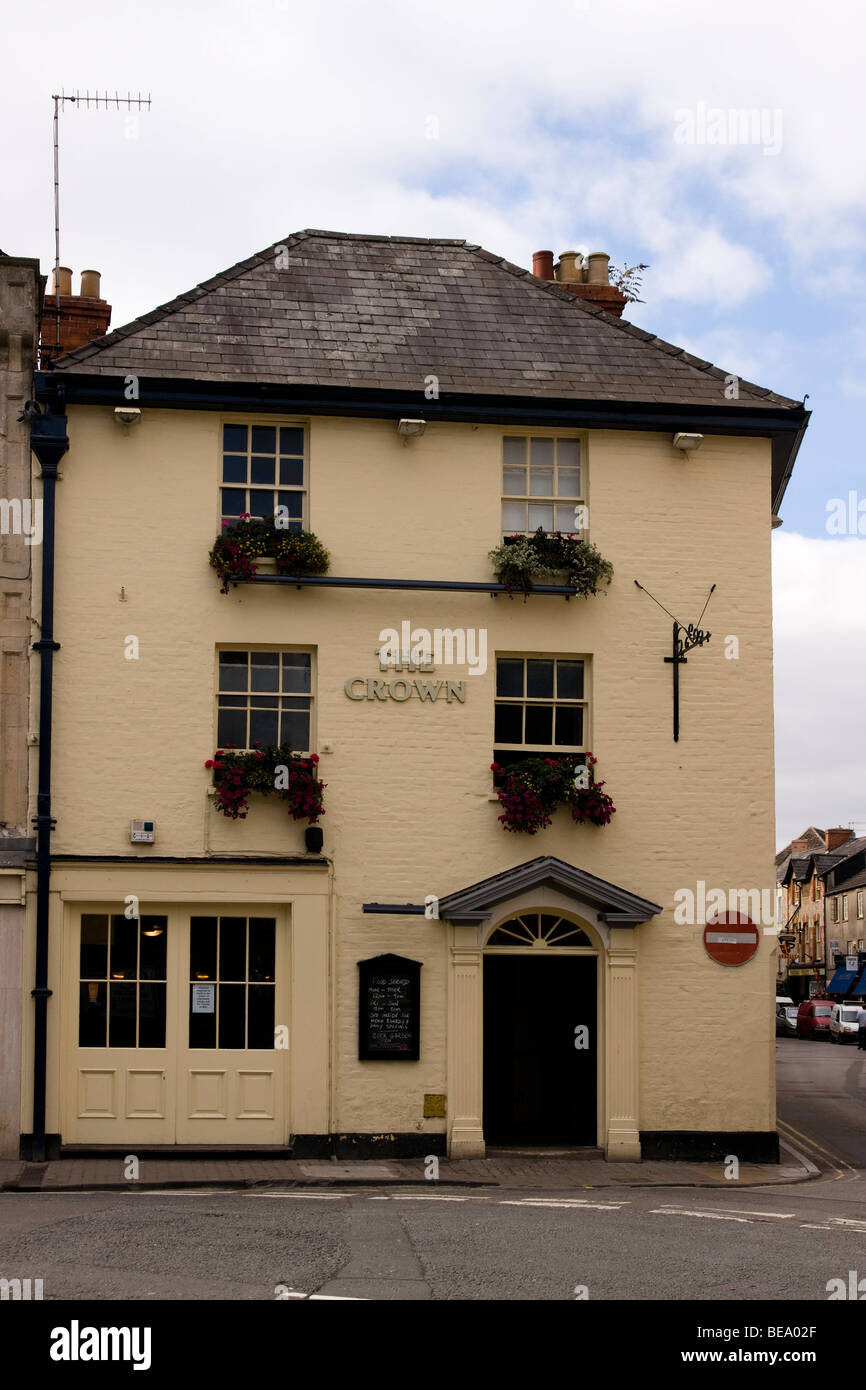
[
  {"x": 530, "y": 791},
  {"x": 270, "y": 770}
]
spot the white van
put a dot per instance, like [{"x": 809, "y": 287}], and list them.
[{"x": 843, "y": 1023}]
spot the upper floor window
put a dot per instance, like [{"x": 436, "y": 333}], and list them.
[
  {"x": 540, "y": 705},
  {"x": 859, "y": 904},
  {"x": 265, "y": 698},
  {"x": 262, "y": 469},
  {"x": 845, "y": 907},
  {"x": 542, "y": 485}
]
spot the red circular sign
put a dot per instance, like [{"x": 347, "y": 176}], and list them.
[{"x": 731, "y": 938}]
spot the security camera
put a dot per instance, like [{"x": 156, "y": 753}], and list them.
[{"x": 127, "y": 414}]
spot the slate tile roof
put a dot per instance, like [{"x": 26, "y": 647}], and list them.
[{"x": 380, "y": 312}]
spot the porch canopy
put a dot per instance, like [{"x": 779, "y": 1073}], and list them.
[{"x": 475, "y": 905}]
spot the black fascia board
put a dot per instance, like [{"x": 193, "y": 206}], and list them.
[{"x": 784, "y": 426}]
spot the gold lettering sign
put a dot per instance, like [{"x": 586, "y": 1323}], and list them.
[{"x": 403, "y": 688}]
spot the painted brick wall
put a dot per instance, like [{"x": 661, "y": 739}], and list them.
[{"x": 409, "y": 809}]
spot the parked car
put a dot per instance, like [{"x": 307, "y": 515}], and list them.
[
  {"x": 813, "y": 1019},
  {"x": 786, "y": 1020},
  {"x": 783, "y": 999},
  {"x": 843, "y": 1023}
]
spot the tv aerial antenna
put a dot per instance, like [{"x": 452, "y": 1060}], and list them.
[{"x": 97, "y": 99}]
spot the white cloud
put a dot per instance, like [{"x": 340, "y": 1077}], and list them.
[
  {"x": 820, "y": 677},
  {"x": 554, "y": 127}
]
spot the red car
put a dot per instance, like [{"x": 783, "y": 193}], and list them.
[{"x": 813, "y": 1019}]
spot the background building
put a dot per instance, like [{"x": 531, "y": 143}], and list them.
[
  {"x": 21, "y": 289},
  {"x": 811, "y": 916}
]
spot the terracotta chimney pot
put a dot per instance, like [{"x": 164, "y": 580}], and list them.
[
  {"x": 90, "y": 284},
  {"x": 598, "y": 268},
  {"x": 542, "y": 264},
  {"x": 65, "y": 275},
  {"x": 569, "y": 270}
]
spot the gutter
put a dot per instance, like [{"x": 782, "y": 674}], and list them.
[
  {"x": 783, "y": 424},
  {"x": 790, "y": 458},
  {"x": 49, "y": 442},
  {"x": 183, "y": 393}
]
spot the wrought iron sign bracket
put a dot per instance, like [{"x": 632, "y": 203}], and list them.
[{"x": 693, "y": 636}]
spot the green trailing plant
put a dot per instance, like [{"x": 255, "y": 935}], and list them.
[
  {"x": 522, "y": 561},
  {"x": 234, "y": 553},
  {"x": 269, "y": 770},
  {"x": 530, "y": 791}
]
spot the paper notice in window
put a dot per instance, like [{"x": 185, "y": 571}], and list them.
[{"x": 203, "y": 999}]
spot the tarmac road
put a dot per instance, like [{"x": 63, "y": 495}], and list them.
[
  {"x": 501, "y": 1243},
  {"x": 676, "y": 1244},
  {"x": 821, "y": 1101}
]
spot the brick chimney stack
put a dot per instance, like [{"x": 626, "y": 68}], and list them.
[
  {"x": 799, "y": 846},
  {"x": 836, "y": 837},
  {"x": 83, "y": 316},
  {"x": 585, "y": 277}
]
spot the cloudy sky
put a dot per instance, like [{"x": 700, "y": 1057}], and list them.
[{"x": 589, "y": 124}]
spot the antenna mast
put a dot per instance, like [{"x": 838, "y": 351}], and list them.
[{"x": 60, "y": 101}]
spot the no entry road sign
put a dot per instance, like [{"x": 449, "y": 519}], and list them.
[{"x": 731, "y": 938}]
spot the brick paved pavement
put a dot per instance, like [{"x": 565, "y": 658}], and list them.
[{"x": 511, "y": 1169}]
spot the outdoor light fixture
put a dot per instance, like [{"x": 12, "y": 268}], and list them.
[
  {"x": 688, "y": 441},
  {"x": 127, "y": 414},
  {"x": 411, "y": 429}
]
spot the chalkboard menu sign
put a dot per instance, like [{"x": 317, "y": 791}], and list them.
[{"x": 389, "y": 1013}]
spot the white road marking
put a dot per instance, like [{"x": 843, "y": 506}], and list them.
[
  {"x": 576, "y": 1205},
  {"x": 304, "y": 1196},
  {"x": 805, "y": 1226},
  {"x": 430, "y": 1197},
  {"x": 742, "y": 1211},
  {"x": 322, "y": 1297},
  {"x": 169, "y": 1192},
  {"x": 707, "y": 1215}
]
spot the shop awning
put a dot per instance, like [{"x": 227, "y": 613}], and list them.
[
  {"x": 860, "y": 987},
  {"x": 842, "y": 981}
]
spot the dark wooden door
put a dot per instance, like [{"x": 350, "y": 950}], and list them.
[{"x": 539, "y": 1088}]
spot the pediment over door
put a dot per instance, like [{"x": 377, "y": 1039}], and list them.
[{"x": 607, "y": 902}]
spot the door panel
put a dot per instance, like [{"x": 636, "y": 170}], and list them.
[
  {"x": 233, "y": 1080},
  {"x": 170, "y": 1029},
  {"x": 121, "y": 1031}
]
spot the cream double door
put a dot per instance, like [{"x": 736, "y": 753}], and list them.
[{"x": 176, "y": 1027}]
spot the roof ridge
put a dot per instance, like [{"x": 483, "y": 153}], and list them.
[{"x": 671, "y": 349}]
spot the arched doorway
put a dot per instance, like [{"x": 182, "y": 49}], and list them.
[{"x": 541, "y": 1032}]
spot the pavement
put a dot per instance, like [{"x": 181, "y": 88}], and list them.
[{"x": 511, "y": 1168}]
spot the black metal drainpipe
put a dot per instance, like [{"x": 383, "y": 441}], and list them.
[{"x": 49, "y": 443}]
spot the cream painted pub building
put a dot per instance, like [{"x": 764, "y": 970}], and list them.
[{"x": 417, "y": 979}]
